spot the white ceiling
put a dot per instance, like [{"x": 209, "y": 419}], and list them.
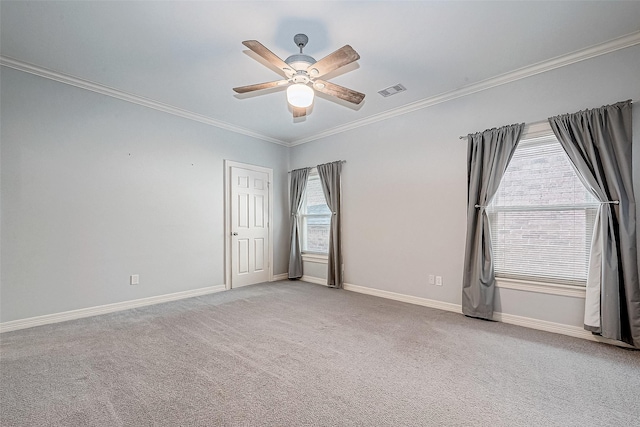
[{"x": 189, "y": 54}]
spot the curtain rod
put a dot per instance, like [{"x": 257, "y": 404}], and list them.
[
  {"x": 526, "y": 124},
  {"x": 633, "y": 101},
  {"x": 341, "y": 161}
]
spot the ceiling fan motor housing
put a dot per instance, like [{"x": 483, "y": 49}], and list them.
[
  {"x": 300, "y": 61},
  {"x": 300, "y": 77}
]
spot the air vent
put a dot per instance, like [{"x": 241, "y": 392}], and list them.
[{"x": 392, "y": 90}]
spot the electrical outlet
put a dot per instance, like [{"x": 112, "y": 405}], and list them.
[
  {"x": 432, "y": 279},
  {"x": 134, "y": 279},
  {"x": 438, "y": 280}
]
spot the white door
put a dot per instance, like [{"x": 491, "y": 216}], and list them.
[{"x": 249, "y": 227}]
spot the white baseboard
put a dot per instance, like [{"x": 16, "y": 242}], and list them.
[
  {"x": 283, "y": 276},
  {"x": 47, "y": 319},
  {"x": 558, "y": 328},
  {"x": 527, "y": 322},
  {"x": 316, "y": 280},
  {"x": 440, "y": 305}
]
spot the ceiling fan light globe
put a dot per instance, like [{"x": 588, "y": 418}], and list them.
[{"x": 300, "y": 95}]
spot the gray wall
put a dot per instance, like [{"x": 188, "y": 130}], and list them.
[
  {"x": 404, "y": 184},
  {"x": 95, "y": 189},
  {"x": 315, "y": 269}
]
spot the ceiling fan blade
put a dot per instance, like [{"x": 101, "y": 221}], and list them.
[
  {"x": 338, "y": 91},
  {"x": 260, "y": 86},
  {"x": 299, "y": 112},
  {"x": 259, "y": 48},
  {"x": 341, "y": 57}
]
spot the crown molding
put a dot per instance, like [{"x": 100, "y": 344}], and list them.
[
  {"x": 16, "y": 64},
  {"x": 613, "y": 45}
]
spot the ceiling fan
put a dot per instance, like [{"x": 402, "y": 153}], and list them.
[{"x": 302, "y": 75}]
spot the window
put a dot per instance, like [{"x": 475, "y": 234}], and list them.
[
  {"x": 542, "y": 217},
  {"x": 315, "y": 218}
]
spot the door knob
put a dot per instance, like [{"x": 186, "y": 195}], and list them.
[{"x": 234, "y": 233}]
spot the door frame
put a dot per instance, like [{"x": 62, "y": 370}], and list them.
[{"x": 228, "y": 164}]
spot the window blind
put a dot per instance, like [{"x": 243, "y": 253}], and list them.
[
  {"x": 542, "y": 217},
  {"x": 315, "y": 218}
]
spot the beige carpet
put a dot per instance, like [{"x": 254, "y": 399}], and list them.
[{"x": 296, "y": 354}]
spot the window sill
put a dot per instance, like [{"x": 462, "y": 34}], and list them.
[
  {"x": 542, "y": 288},
  {"x": 317, "y": 258}
]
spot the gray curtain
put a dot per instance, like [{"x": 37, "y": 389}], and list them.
[
  {"x": 298, "y": 185},
  {"x": 488, "y": 155},
  {"x": 598, "y": 142},
  {"x": 330, "y": 179}
]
